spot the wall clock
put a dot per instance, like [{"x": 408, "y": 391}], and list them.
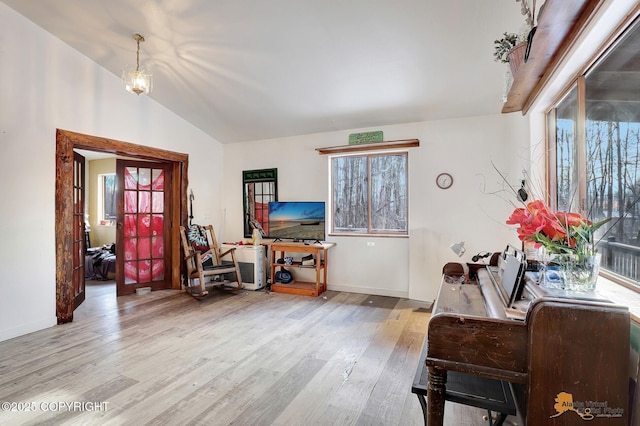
[{"x": 444, "y": 181}]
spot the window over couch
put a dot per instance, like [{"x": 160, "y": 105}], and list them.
[{"x": 596, "y": 153}]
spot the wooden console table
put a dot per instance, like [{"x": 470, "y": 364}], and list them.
[{"x": 277, "y": 251}]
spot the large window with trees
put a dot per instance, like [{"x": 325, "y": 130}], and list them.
[
  {"x": 596, "y": 152},
  {"x": 369, "y": 194}
]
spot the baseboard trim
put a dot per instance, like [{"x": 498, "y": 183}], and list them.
[
  {"x": 370, "y": 290},
  {"x": 27, "y": 328}
]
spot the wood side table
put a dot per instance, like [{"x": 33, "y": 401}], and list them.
[{"x": 320, "y": 253}]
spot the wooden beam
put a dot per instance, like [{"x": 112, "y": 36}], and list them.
[{"x": 404, "y": 143}]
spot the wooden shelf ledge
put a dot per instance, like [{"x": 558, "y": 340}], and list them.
[
  {"x": 374, "y": 146},
  {"x": 559, "y": 27}
]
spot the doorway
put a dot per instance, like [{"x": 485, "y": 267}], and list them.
[
  {"x": 143, "y": 190},
  {"x": 66, "y": 142}
]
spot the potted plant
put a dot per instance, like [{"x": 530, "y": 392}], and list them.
[{"x": 510, "y": 49}]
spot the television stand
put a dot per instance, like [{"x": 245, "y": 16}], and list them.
[{"x": 277, "y": 250}]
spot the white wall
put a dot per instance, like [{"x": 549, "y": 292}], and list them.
[
  {"x": 99, "y": 234},
  {"x": 44, "y": 85},
  {"x": 473, "y": 210}
]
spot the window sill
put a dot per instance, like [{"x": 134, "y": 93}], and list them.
[
  {"x": 366, "y": 235},
  {"x": 620, "y": 295}
]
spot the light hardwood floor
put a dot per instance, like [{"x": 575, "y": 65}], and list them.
[{"x": 249, "y": 358}]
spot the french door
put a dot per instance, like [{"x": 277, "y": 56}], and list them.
[
  {"x": 79, "y": 239},
  {"x": 143, "y": 238}
]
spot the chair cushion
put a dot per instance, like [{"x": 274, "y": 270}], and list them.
[{"x": 197, "y": 236}]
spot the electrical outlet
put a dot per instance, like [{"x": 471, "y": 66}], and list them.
[{"x": 370, "y": 244}]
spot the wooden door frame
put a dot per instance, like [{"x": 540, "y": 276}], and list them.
[
  {"x": 66, "y": 142},
  {"x": 78, "y": 263}
]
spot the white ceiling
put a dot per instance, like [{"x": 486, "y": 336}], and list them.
[{"x": 257, "y": 69}]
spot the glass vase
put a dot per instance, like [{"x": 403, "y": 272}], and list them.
[{"x": 571, "y": 272}]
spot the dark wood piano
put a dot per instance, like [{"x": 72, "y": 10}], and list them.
[{"x": 564, "y": 355}]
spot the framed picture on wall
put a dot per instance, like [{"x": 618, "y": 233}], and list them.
[{"x": 259, "y": 187}]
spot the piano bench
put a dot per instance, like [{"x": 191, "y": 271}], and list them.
[{"x": 490, "y": 394}]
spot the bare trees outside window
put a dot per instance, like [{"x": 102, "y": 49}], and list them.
[
  {"x": 369, "y": 194},
  {"x": 598, "y": 169},
  {"x": 107, "y": 199}
]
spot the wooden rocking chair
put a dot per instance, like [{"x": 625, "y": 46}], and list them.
[{"x": 203, "y": 259}]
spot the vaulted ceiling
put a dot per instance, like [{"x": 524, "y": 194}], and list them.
[{"x": 254, "y": 69}]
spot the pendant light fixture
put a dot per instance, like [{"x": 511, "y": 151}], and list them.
[{"x": 137, "y": 81}]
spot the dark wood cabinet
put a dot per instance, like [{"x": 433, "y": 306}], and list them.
[{"x": 567, "y": 359}]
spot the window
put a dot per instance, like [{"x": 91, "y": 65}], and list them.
[
  {"x": 597, "y": 154},
  {"x": 107, "y": 199},
  {"x": 566, "y": 154},
  {"x": 369, "y": 194}
]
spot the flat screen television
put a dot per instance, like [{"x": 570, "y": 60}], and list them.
[{"x": 297, "y": 220}]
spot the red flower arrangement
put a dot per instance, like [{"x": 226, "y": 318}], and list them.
[{"x": 559, "y": 233}]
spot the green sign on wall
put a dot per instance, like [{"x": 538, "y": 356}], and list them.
[{"x": 366, "y": 137}]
